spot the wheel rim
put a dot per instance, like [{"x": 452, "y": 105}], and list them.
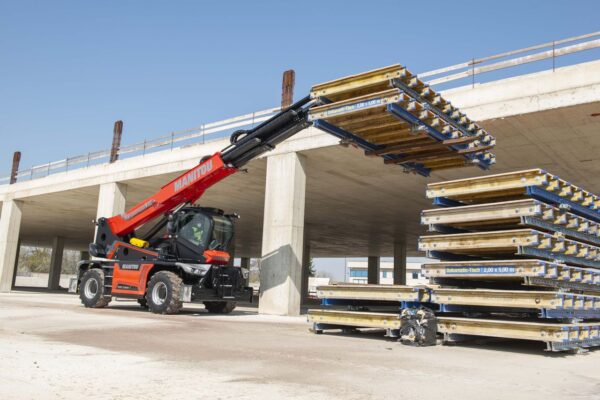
[
  {"x": 159, "y": 293},
  {"x": 91, "y": 288}
]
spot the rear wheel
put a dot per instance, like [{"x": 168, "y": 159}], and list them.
[
  {"x": 163, "y": 295},
  {"x": 219, "y": 307},
  {"x": 91, "y": 289}
]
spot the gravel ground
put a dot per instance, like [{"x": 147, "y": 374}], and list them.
[{"x": 53, "y": 348}]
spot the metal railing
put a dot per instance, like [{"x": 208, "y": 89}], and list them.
[
  {"x": 219, "y": 129},
  {"x": 475, "y": 66},
  {"x": 202, "y": 134}
]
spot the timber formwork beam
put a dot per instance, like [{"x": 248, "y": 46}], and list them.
[
  {"x": 557, "y": 336},
  {"x": 526, "y": 242},
  {"x": 395, "y": 293},
  {"x": 530, "y": 272},
  {"x": 534, "y": 183},
  {"x": 510, "y": 215},
  {"x": 547, "y": 303}
]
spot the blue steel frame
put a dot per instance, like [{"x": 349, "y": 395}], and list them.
[
  {"x": 537, "y": 193},
  {"x": 406, "y": 116},
  {"x": 560, "y": 313},
  {"x": 365, "y": 145},
  {"x": 532, "y": 222},
  {"x": 403, "y": 86},
  {"x": 552, "y": 198}
]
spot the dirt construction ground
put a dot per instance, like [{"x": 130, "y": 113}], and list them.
[{"x": 53, "y": 348}]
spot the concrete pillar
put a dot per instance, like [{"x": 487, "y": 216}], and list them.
[
  {"x": 305, "y": 271},
  {"x": 245, "y": 263},
  {"x": 58, "y": 247},
  {"x": 111, "y": 199},
  {"x": 373, "y": 270},
  {"x": 10, "y": 225},
  {"x": 16, "y": 269},
  {"x": 400, "y": 263},
  {"x": 232, "y": 252},
  {"x": 283, "y": 233}
]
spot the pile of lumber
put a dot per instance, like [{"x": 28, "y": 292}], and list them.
[
  {"x": 520, "y": 259},
  {"x": 392, "y": 114}
]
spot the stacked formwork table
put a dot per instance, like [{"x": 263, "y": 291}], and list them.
[
  {"x": 390, "y": 113},
  {"x": 520, "y": 258},
  {"x": 521, "y": 235}
]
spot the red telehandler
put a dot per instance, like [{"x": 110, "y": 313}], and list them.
[{"x": 185, "y": 255}]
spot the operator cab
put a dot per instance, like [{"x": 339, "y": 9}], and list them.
[{"x": 198, "y": 230}]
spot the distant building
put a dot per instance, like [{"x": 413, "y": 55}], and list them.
[
  {"x": 357, "y": 273},
  {"x": 314, "y": 282}
]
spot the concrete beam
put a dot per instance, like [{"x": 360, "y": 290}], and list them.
[
  {"x": 373, "y": 270},
  {"x": 58, "y": 247},
  {"x": 283, "y": 233},
  {"x": 400, "y": 263},
  {"x": 10, "y": 225},
  {"x": 539, "y": 91}
]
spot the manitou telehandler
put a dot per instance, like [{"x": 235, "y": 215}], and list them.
[{"x": 185, "y": 255}]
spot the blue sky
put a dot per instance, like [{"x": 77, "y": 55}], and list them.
[{"x": 69, "y": 69}]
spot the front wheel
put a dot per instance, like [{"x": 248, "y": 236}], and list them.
[
  {"x": 91, "y": 289},
  {"x": 219, "y": 307},
  {"x": 163, "y": 295}
]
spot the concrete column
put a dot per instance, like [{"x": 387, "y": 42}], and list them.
[
  {"x": 111, "y": 199},
  {"x": 14, "y": 278},
  {"x": 305, "y": 271},
  {"x": 373, "y": 270},
  {"x": 245, "y": 262},
  {"x": 400, "y": 263},
  {"x": 283, "y": 233},
  {"x": 10, "y": 225},
  {"x": 232, "y": 252},
  {"x": 58, "y": 247}
]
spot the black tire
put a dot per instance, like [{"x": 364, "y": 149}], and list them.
[
  {"x": 143, "y": 303},
  {"x": 163, "y": 295},
  {"x": 91, "y": 289},
  {"x": 219, "y": 307}
]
